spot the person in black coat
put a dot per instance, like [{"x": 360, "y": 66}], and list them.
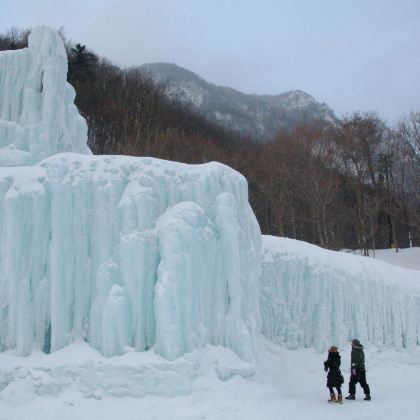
[
  {"x": 358, "y": 371},
  {"x": 334, "y": 377}
]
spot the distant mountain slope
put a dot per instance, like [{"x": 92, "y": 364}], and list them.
[{"x": 258, "y": 116}]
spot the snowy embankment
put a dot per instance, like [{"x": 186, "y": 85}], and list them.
[
  {"x": 81, "y": 368},
  {"x": 314, "y": 297}
]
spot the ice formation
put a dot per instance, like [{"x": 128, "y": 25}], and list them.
[
  {"x": 314, "y": 297},
  {"x": 120, "y": 251},
  {"x": 127, "y": 252},
  {"x": 141, "y": 253},
  {"x": 38, "y": 117}
]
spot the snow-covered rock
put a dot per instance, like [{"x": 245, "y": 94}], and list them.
[
  {"x": 314, "y": 297},
  {"x": 38, "y": 117}
]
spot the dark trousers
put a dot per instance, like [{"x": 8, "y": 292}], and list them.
[
  {"x": 359, "y": 377},
  {"x": 332, "y": 390}
]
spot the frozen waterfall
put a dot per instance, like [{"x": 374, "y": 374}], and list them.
[
  {"x": 38, "y": 117},
  {"x": 127, "y": 251},
  {"x": 314, "y": 297},
  {"x": 121, "y": 252}
]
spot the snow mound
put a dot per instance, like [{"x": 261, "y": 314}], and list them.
[
  {"x": 78, "y": 383},
  {"x": 127, "y": 252},
  {"x": 80, "y": 368},
  {"x": 314, "y": 297},
  {"x": 38, "y": 117}
]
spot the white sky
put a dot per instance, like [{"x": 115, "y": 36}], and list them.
[{"x": 352, "y": 54}]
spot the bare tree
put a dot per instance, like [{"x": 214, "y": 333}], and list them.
[{"x": 407, "y": 146}]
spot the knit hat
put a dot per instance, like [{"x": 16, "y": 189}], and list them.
[
  {"x": 355, "y": 342},
  {"x": 333, "y": 349}
]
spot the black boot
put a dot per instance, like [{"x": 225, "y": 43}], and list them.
[
  {"x": 367, "y": 397},
  {"x": 351, "y": 397}
]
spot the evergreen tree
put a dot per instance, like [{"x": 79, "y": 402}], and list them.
[{"x": 82, "y": 64}]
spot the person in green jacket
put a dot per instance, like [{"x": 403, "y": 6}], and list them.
[{"x": 358, "y": 371}]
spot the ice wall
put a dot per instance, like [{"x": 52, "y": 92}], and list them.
[
  {"x": 125, "y": 251},
  {"x": 314, "y": 297},
  {"x": 38, "y": 117},
  {"x": 121, "y": 252}
]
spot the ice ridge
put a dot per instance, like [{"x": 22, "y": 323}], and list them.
[{"x": 312, "y": 297}]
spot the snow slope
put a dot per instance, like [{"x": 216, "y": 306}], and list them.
[{"x": 314, "y": 297}]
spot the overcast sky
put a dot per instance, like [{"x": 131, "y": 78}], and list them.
[{"x": 352, "y": 54}]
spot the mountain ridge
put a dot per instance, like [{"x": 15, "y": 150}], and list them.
[{"x": 259, "y": 116}]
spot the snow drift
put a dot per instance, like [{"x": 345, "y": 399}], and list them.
[
  {"x": 37, "y": 113},
  {"x": 314, "y": 297},
  {"x": 119, "y": 251}
]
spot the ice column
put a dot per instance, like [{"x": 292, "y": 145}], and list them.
[{"x": 38, "y": 117}]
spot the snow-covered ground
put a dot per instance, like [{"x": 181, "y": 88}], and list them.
[
  {"x": 288, "y": 384},
  {"x": 405, "y": 257}
]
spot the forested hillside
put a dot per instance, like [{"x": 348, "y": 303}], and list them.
[
  {"x": 354, "y": 183},
  {"x": 257, "y": 116}
]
